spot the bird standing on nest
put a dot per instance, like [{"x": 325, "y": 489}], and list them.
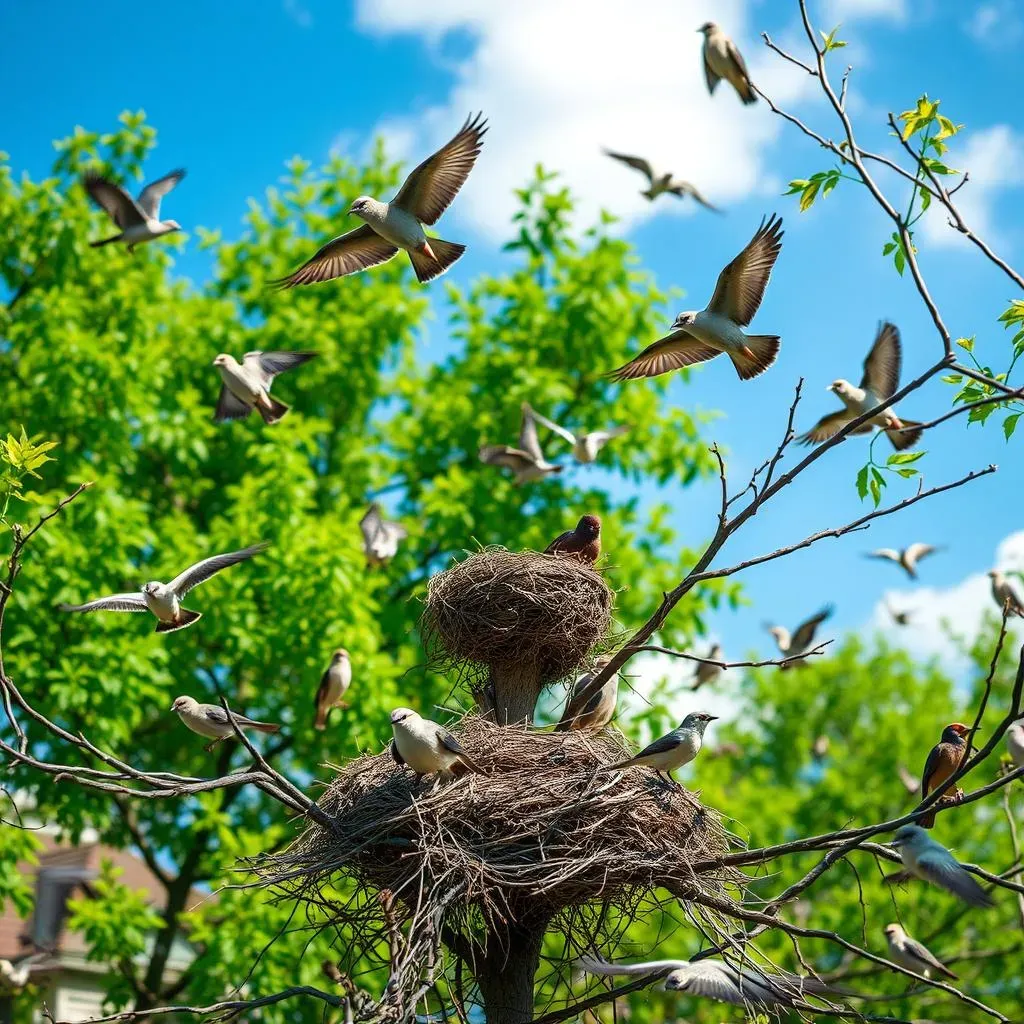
[
  {"x": 599, "y": 710},
  {"x": 942, "y": 763},
  {"x": 582, "y": 543},
  {"x": 674, "y": 749},
  {"x": 426, "y": 747}
]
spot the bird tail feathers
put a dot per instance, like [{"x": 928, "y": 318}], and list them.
[
  {"x": 426, "y": 268},
  {"x": 105, "y": 241},
  {"x": 746, "y": 93},
  {"x": 264, "y": 726},
  {"x": 464, "y": 766},
  {"x": 902, "y": 439},
  {"x": 320, "y": 722},
  {"x": 273, "y": 411},
  {"x": 764, "y": 350},
  {"x": 185, "y": 620}
]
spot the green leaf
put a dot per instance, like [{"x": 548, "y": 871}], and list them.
[
  {"x": 952, "y": 378},
  {"x": 967, "y": 344},
  {"x": 876, "y": 491},
  {"x": 903, "y": 458},
  {"x": 907, "y": 473},
  {"x": 830, "y": 41},
  {"x": 862, "y": 482},
  {"x": 1010, "y": 424}
]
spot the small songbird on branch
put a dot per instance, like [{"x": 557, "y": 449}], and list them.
[
  {"x": 211, "y": 720},
  {"x": 913, "y": 955},
  {"x": 942, "y": 763},
  {"x": 673, "y": 750}
]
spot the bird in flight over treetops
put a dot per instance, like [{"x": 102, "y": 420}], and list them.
[
  {"x": 907, "y": 558},
  {"x": 723, "y": 60},
  {"x": 599, "y": 710},
  {"x": 164, "y": 599},
  {"x": 1007, "y": 594},
  {"x": 388, "y": 227},
  {"x": 660, "y": 182},
  {"x": 583, "y": 542},
  {"x": 942, "y": 762},
  {"x": 247, "y": 384},
  {"x": 910, "y": 953},
  {"x": 585, "y": 447},
  {"x": 527, "y": 461},
  {"x": 699, "y": 335},
  {"x": 879, "y": 383},
  {"x": 333, "y": 684},
  {"x": 930, "y": 861},
  {"x": 426, "y": 747},
  {"x": 380, "y": 537},
  {"x": 802, "y": 639},
  {"x": 138, "y": 219},
  {"x": 673, "y": 750},
  {"x": 211, "y": 720}
]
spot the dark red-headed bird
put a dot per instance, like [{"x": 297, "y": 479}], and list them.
[
  {"x": 583, "y": 543},
  {"x": 943, "y": 761}
]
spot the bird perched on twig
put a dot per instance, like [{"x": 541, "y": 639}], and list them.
[
  {"x": 247, "y": 384},
  {"x": 426, "y": 747},
  {"x": 599, "y": 710},
  {"x": 138, "y": 219},
  {"x": 380, "y": 537},
  {"x": 926, "y": 859},
  {"x": 879, "y": 383},
  {"x": 582, "y": 543},
  {"x": 585, "y": 447},
  {"x": 1007, "y": 594},
  {"x": 792, "y": 646},
  {"x": 697, "y": 336},
  {"x": 164, "y": 599},
  {"x": 527, "y": 461},
  {"x": 388, "y": 227},
  {"x": 673, "y": 750},
  {"x": 333, "y": 684},
  {"x": 723, "y": 60},
  {"x": 660, "y": 182},
  {"x": 913, "y": 955},
  {"x": 942, "y": 763},
  {"x": 907, "y": 558},
  {"x": 211, "y": 720},
  {"x": 1015, "y": 742},
  {"x": 706, "y": 672}
]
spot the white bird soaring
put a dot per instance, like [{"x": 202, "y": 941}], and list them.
[
  {"x": 164, "y": 599},
  {"x": 247, "y": 383},
  {"x": 907, "y": 558},
  {"x": 723, "y": 60},
  {"x": 333, "y": 685},
  {"x": 879, "y": 383},
  {"x": 801, "y": 641},
  {"x": 527, "y": 461},
  {"x": 380, "y": 537},
  {"x": 212, "y": 722},
  {"x": 585, "y": 447},
  {"x": 426, "y": 747},
  {"x": 1007, "y": 594},
  {"x": 660, "y": 182},
  {"x": 138, "y": 219},
  {"x": 673, "y": 750},
  {"x": 701, "y": 335},
  {"x": 1015, "y": 742},
  {"x": 929, "y": 860},
  {"x": 913, "y": 955},
  {"x": 388, "y": 227}
]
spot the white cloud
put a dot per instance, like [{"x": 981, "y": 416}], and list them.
[{"x": 997, "y": 25}]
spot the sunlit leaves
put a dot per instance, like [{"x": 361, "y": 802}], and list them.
[
  {"x": 895, "y": 248},
  {"x": 810, "y": 188},
  {"x": 829, "y": 40}
]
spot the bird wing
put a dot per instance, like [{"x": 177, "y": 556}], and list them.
[
  {"x": 557, "y": 543},
  {"x": 602, "y": 437},
  {"x": 432, "y": 186},
  {"x": 122, "y": 209},
  {"x": 710, "y": 75},
  {"x": 741, "y": 284},
  {"x": 931, "y": 764},
  {"x": 267, "y": 365},
  {"x": 218, "y": 715},
  {"x": 882, "y": 366},
  {"x": 638, "y": 163},
  {"x": 202, "y": 571},
  {"x": 592, "y": 965},
  {"x": 915, "y": 552},
  {"x": 355, "y": 250},
  {"x": 115, "y": 603},
  {"x": 150, "y": 196},
  {"x": 804, "y": 635},
  {"x": 528, "y": 440},
  {"x": 505, "y": 455},
  {"x": 230, "y": 407},
  {"x": 551, "y": 425},
  {"x": 321, "y": 690},
  {"x": 945, "y": 872},
  {"x": 712, "y": 979},
  {"x": 448, "y": 741},
  {"x": 828, "y": 426},
  {"x": 371, "y": 524},
  {"x": 662, "y": 745},
  {"x": 737, "y": 58},
  {"x": 395, "y": 754},
  {"x": 684, "y": 188},
  {"x": 888, "y": 553},
  {"x": 923, "y": 953},
  {"x": 393, "y": 531},
  {"x": 672, "y": 352}
]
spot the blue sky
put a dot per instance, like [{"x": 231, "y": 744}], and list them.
[{"x": 244, "y": 86}]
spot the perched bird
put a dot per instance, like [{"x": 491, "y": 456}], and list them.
[
  {"x": 708, "y": 673},
  {"x": 164, "y": 599},
  {"x": 333, "y": 684},
  {"x": 247, "y": 384},
  {"x": 388, "y": 227},
  {"x": 582, "y": 543},
  {"x": 1015, "y": 742},
  {"x": 673, "y": 750},
  {"x": 723, "y": 60},
  {"x": 585, "y": 447},
  {"x": 879, "y": 383},
  {"x": 211, "y": 720},
  {"x": 803, "y": 639},
  {"x": 138, "y": 219},
  {"x": 908, "y": 558},
  {"x": 701, "y": 335},
  {"x": 941, "y": 764},
  {"x": 596, "y": 712},
  {"x": 380, "y": 537},
  {"x": 426, "y": 747},
  {"x": 1007, "y": 594},
  {"x": 527, "y": 461},
  {"x": 924, "y": 858},
  {"x": 910, "y": 953},
  {"x": 660, "y": 182},
  {"x": 900, "y": 618}
]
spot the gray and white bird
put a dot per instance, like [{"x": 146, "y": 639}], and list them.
[
  {"x": 527, "y": 462},
  {"x": 138, "y": 219},
  {"x": 247, "y": 384},
  {"x": 585, "y": 447},
  {"x": 929, "y": 860},
  {"x": 913, "y": 955},
  {"x": 164, "y": 599},
  {"x": 388, "y": 227},
  {"x": 211, "y": 720},
  {"x": 15, "y": 976},
  {"x": 706, "y": 672},
  {"x": 697, "y": 336},
  {"x": 907, "y": 558},
  {"x": 380, "y": 537},
  {"x": 723, "y": 60},
  {"x": 878, "y": 384},
  {"x": 333, "y": 684},
  {"x": 802, "y": 640},
  {"x": 596, "y": 712},
  {"x": 1015, "y": 742},
  {"x": 426, "y": 747},
  {"x": 1007, "y": 594},
  {"x": 660, "y": 182},
  {"x": 673, "y": 750}
]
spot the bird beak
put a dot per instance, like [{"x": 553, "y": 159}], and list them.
[{"x": 712, "y": 718}]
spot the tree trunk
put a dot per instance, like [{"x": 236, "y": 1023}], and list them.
[
  {"x": 506, "y": 969},
  {"x": 515, "y": 694}
]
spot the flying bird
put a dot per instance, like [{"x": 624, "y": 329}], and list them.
[
  {"x": 1015, "y": 742},
  {"x": 913, "y": 955},
  {"x": 388, "y": 227},
  {"x": 673, "y": 750},
  {"x": 15, "y": 976},
  {"x": 426, "y": 747},
  {"x": 212, "y": 722},
  {"x": 1007, "y": 594},
  {"x": 527, "y": 461},
  {"x": 708, "y": 673},
  {"x": 907, "y": 558},
  {"x": 900, "y": 618},
  {"x": 792, "y": 646},
  {"x": 247, "y": 384},
  {"x": 926, "y": 859},
  {"x": 582, "y": 543},
  {"x": 660, "y": 182},
  {"x": 697, "y": 336},
  {"x": 879, "y": 383},
  {"x": 164, "y": 599},
  {"x": 380, "y": 537},
  {"x": 599, "y": 709},
  {"x": 942, "y": 763},
  {"x": 138, "y": 219},
  {"x": 333, "y": 684},
  {"x": 585, "y": 447},
  {"x": 723, "y": 60}
]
